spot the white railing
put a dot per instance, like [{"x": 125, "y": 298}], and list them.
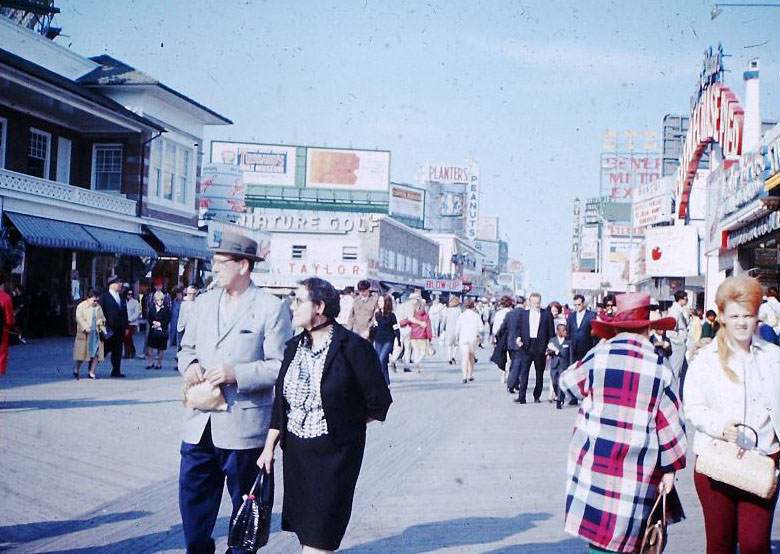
[{"x": 11, "y": 180}]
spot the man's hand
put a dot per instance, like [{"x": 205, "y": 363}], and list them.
[
  {"x": 519, "y": 342},
  {"x": 221, "y": 373},
  {"x": 193, "y": 374}
]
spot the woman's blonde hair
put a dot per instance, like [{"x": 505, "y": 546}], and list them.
[{"x": 748, "y": 293}]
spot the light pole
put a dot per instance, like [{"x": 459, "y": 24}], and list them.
[{"x": 716, "y": 8}]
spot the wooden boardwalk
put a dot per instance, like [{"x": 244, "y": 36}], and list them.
[{"x": 91, "y": 467}]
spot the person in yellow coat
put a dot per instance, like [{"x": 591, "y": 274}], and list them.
[{"x": 90, "y": 324}]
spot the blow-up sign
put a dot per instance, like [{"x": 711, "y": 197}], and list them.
[{"x": 716, "y": 116}]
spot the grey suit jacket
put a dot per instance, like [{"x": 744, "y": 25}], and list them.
[{"x": 253, "y": 342}]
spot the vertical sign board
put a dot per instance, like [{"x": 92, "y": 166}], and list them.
[
  {"x": 222, "y": 192},
  {"x": 472, "y": 211},
  {"x": 452, "y": 203}
]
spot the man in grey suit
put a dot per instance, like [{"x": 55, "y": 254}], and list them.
[{"x": 234, "y": 339}]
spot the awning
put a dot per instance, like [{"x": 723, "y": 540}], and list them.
[
  {"x": 51, "y": 233},
  {"x": 182, "y": 245},
  {"x": 121, "y": 242}
]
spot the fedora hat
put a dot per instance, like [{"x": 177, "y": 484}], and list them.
[
  {"x": 113, "y": 279},
  {"x": 633, "y": 312},
  {"x": 235, "y": 244}
]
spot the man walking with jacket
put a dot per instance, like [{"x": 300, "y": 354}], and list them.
[{"x": 234, "y": 339}]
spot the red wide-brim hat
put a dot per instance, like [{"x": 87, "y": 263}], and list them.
[{"x": 633, "y": 312}]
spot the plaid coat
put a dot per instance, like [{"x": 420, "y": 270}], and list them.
[{"x": 629, "y": 431}]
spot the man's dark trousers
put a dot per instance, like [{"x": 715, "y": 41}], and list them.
[
  {"x": 514, "y": 368},
  {"x": 536, "y": 356},
  {"x": 204, "y": 468},
  {"x": 114, "y": 346}
]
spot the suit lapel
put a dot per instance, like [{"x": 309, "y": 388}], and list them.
[{"x": 224, "y": 327}]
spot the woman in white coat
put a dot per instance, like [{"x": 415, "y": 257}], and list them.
[
  {"x": 449, "y": 320},
  {"x": 735, "y": 380},
  {"x": 468, "y": 330}
]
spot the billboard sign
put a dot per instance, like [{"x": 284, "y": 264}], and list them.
[
  {"x": 347, "y": 169},
  {"x": 407, "y": 201},
  {"x": 672, "y": 251},
  {"x": 262, "y": 164},
  {"x": 452, "y": 204},
  {"x": 622, "y": 172},
  {"x": 488, "y": 227},
  {"x": 589, "y": 243},
  {"x": 489, "y": 249},
  {"x": 222, "y": 191}
]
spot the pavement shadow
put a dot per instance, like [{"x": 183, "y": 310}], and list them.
[
  {"x": 566, "y": 546},
  {"x": 49, "y": 404},
  {"x": 25, "y": 532},
  {"x": 466, "y": 531}
]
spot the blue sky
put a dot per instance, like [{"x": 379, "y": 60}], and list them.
[{"x": 526, "y": 88}]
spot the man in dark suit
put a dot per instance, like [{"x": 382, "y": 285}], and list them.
[
  {"x": 578, "y": 329},
  {"x": 511, "y": 328},
  {"x": 114, "y": 308},
  {"x": 534, "y": 330}
]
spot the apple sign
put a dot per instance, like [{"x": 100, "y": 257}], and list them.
[{"x": 656, "y": 253}]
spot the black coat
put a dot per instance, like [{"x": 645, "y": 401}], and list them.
[
  {"x": 511, "y": 326},
  {"x": 499, "y": 351},
  {"x": 544, "y": 333},
  {"x": 116, "y": 315},
  {"x": 352, "y": 388},
  {"x": 581, "y": 338}
]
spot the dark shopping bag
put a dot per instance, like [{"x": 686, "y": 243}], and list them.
[{"x": 250, "y": 527}]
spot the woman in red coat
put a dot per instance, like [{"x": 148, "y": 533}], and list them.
[
  {"x": 421, "y": 334},
  {"x": 7, "y": 309}
]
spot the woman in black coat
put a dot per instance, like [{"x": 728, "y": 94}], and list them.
[
  {"x": 159, "y": 318},
  {"x": 329, "y": 386}
]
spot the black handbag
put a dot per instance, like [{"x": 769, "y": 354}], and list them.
[{"x": 250, "y": 527}]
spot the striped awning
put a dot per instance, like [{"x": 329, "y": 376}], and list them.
[
  {"x": 121, "y": 242},
  {"x": 52, "y": 233},
  {"x": 182, "y": 245}
]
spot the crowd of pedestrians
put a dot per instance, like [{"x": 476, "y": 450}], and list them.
[{"x": 308, "y": 372}]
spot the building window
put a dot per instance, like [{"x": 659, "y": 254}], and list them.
[
  {"x": 38, "y": 153},
  {"x": 107, "y": 167},
  {"x": 3, "y": 132},
  {"x": 415, "y": 266},
  {"x": 349, "y": 253},
  {"x": 298, "y": 251},
  {"x": 171, "y": 172}
]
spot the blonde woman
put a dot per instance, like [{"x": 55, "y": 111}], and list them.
[
  {"x": 735, "y": 380},
  {"x": 449, "y": 321},
  {"x": 90, "y": 324},
  {"x": 468, "y": 330}
]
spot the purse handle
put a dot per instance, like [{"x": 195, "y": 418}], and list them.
[
  {"x": 263, "y": 486},
  {"x": 660, "y": 500},
  {"x": 755, "y": 434}
]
